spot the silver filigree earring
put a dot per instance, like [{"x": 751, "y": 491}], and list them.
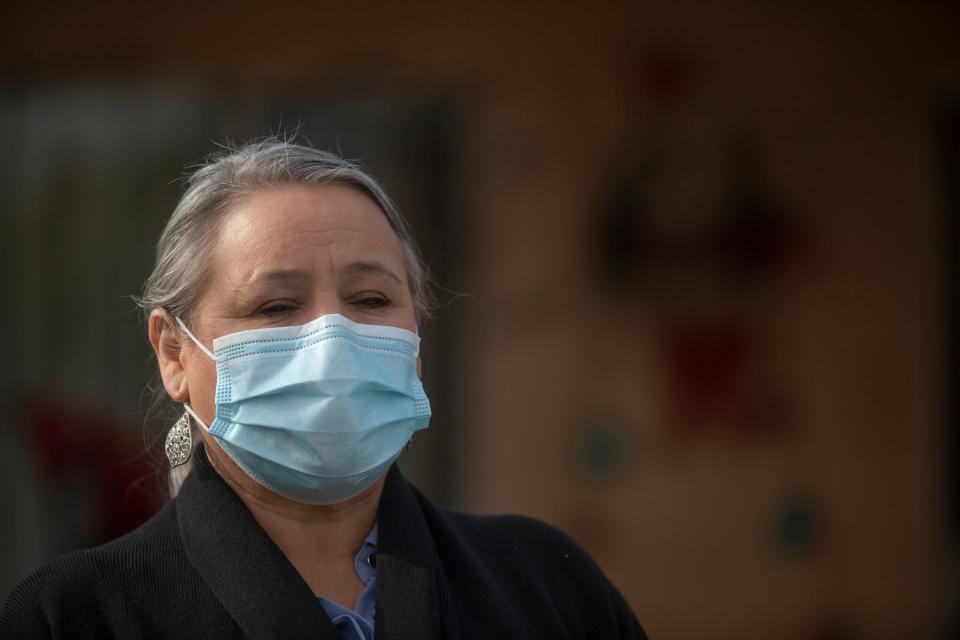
[{"x": 179, "y": 441}]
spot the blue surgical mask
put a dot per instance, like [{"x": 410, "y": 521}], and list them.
[{"x": 316, "y": 412}]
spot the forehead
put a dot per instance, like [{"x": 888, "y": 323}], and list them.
[{"x": 308, "y": 227}]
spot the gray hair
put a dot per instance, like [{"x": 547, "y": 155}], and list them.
[
  {"x": 227, "y": 178},
  {"x": 221, "y": 183}
]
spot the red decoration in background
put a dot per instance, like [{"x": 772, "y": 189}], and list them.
[
  {"x": 711, "y": 370},
  {"x": 692, "y": 225},
  {"x": 705, "y": 366},
  {"x": 106, "y": 451}
]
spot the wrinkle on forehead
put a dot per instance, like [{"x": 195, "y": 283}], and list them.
[
  {"x": 309, "y": 210},
  {"x": 317, "y": 229}
]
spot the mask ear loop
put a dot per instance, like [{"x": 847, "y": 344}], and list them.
[
  {"x": 209, "y": 353},
  {"x": 194, "y": 415},
  {"x": 183, "y": 327}
]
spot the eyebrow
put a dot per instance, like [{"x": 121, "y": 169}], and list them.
[{"x": 368, "y": 268}]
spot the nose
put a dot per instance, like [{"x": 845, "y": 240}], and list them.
[{"x": 326, "y": 302}]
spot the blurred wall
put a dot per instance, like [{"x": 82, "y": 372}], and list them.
[{"x": 818, "y": 519}]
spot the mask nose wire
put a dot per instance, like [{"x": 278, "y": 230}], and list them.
[{"x": 194, "y": 338}]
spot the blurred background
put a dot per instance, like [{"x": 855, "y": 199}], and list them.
[{"x": 693, "y": 259}]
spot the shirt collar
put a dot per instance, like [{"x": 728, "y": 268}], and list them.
[{"x": 372, "y": 536}]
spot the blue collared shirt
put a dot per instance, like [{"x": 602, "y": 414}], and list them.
[{"x": 357, "y": 624}]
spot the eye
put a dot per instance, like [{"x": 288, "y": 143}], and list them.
[
  {"x": 370, "y": 301},
  {"x": 276, "y": 309}
]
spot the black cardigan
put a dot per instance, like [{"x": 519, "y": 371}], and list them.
[{"x": 203, "y": 568}]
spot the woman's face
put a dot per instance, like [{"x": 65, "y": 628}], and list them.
[{"x": 285, "y": 257}]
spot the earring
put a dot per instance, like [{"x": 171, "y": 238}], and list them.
[{"x": 179, "y": 441}]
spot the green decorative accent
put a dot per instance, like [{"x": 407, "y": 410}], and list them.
[
  {"x": 602, "y": 451},
  {"x": 794, "y": 527}
]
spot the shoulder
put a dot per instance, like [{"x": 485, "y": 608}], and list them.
[
  {"x": 517, "y": 535},
  {"x": 526, "y": 548},
  {"x": 530, "y": 561},
  {"x": 68, "y": 588}
]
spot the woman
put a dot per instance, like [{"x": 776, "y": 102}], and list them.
[{"x": 283, "y": 310}]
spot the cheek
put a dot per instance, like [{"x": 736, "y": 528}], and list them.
[
  {"x": 407, "y": 320},
  {"x": 202, "y": 382},
  {"x": 405, "y": 317}
]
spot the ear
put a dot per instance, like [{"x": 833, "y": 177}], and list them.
[
  {"x": 419, "y": 368},
  {"x": 166, "y": 343}
]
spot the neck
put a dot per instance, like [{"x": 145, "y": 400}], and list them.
[{"x": 304, "y": 532}]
